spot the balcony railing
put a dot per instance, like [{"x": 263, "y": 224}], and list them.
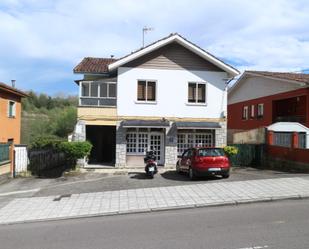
[
  {"x": 299, "y": 119},
  {"x": 92, "y": 101}
]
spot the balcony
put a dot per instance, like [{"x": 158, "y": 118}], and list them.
[{"x": 99, "y": 93}]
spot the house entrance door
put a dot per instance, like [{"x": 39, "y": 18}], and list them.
[{"x": 157, "y": 145}]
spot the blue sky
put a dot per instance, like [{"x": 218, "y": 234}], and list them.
[{"x": 41, "y": 41}]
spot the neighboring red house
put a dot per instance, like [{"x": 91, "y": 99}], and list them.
[{"x": 259, "y": 99}]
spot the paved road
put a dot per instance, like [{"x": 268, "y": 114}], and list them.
[{"x": 280, "y": 225}]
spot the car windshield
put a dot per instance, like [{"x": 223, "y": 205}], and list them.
[{"x": 211, "y": 152}]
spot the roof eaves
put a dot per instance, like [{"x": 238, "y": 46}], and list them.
[
  {"x": 15, "y": 91},
  {"x": 260, "y": 74},
  {"x": 166, "y": 40}
]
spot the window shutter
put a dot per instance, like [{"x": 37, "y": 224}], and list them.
[
  {"x": 252, "y": 111},
  {"x": 151, "y": 90},
  {"x": 201, "y": 93},
  {"x": 14, "y": 109},
  {"x": 191, "y": 92},
  {"x": 141, "y": 90}
]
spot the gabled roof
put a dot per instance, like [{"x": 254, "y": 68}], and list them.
[
  {"x": 93, "y": 65},
  {"x": 180, "y": 40},
  {"x": 298, "y": 78},
  {"x": 7, "y": 88},
  {"x": 105, "y": 65}
]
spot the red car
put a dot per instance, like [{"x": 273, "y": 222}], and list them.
[{"x": 204, "y": 161}]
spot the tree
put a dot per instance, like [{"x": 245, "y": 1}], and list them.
[{"x": 65, "y": 122}]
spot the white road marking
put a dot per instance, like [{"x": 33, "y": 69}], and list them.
[
  {"x": 255, "y": 247},
  {"x": 20, "y": 192}
]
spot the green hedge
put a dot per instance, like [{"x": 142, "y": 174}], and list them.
[
  {"x": 75, "y": 150},
  {"x": 52, "y": 146},
  {"x": 230, "y": 150}
]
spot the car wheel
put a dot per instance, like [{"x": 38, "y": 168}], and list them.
[
  {"x": 191, "y": 174},
  {"x": 226, "y": 175},
  {"x": 178, "y": 168}
]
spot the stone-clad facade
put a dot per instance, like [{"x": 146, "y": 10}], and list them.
[{"x": 170, "y": 143}]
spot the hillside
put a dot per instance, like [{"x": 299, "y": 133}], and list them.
[{"x": 43, "y": 115}]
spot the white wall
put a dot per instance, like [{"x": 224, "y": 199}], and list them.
[
  {"x": 256, "y": 87},
  {"x": 172, "y": 93}
]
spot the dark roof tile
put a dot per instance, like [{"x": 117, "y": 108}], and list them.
[
  {"x": 300, "y": 77},
  {"x": 93, "y": 65},
  {"x": 7, "y": 88}
]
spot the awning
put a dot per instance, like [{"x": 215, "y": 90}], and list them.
[
  {"x": 197, "y": 125},
  {"x": 145, "y": 123}
]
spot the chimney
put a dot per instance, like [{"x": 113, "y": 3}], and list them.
[{"x": 13, "y": 83}]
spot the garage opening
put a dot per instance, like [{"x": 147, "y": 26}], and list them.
[{"x": 103, "y": 139}]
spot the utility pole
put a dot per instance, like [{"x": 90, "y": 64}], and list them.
[{"x": 145, "y": 30}]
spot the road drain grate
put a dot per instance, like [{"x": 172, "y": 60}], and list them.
[{"x": 62, "y": 196}]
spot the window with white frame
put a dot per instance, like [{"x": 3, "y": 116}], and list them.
[
  {"x": 196, "y": 92},
  {"x": 252, "y": 111},
  {"x": 146, "y": 90},
  {"x": 203, "y": 139},
  {"x": 131, "y": 142},
  {"x": 98, "y": 89},
  {"x": 245, "y": 113},
  {"x": 11, "y": 109},
  {"x": 260, "y": 113},
  {"x": 142, "y": 142},
  {"x": 188, "y": 140},
  {"x": 182, "y": 144},
  {"x": 137, "y": 142}
]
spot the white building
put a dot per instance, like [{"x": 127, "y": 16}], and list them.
[{"x": 165, "y": 97}]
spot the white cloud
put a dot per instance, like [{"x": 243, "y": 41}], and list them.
[{"x": 269, "y": 35}]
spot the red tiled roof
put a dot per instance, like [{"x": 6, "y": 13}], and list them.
[
  {"x": 93, "y": 65},
  {"x": 13, "y": 90},
  {"x": 300, "y": 77}
]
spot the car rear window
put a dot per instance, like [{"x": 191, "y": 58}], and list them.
[{"x": 211, "y": 152}]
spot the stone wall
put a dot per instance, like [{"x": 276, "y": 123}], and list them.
[
  {"x": 121, "y": 146},
  {"x": 171, "y": 146},
  {"x": 220, "y": 135}
]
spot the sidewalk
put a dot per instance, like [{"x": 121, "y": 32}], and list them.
[{"x": 152, "y": 199}]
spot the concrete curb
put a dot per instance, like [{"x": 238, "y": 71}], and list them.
[{"x": 161, "y": 209}]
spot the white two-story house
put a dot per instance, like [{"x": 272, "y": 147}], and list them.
[{"x": 165, "y": 97}]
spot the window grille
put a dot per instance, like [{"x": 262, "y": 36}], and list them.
[{"x": 188, "y": 140}]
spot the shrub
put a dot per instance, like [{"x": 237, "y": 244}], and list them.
[
  {"x": 75, "y": 150},
  {"x": 230, "y": 150},
  {"x": 46, "y": 142}
]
